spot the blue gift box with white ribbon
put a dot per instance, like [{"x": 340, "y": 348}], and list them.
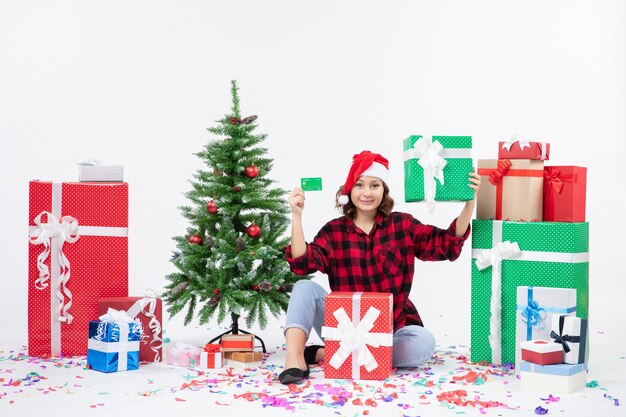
[
  {"x": 535, "y": 308},
  {"x": 113, "y": 344}
]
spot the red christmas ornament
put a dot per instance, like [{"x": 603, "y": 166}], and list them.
[
  {"x": 195, "y": 239},
  {"x": 211, "y": 207},
  {"x": 253, "y": 230},
  {"x": 252, "y": 171},
  {"x": 216, "y": 291},
  {"x": 234, "y": 187},
  {"x": 234, "y": 121},
  {"x": 255, "y": 288}
]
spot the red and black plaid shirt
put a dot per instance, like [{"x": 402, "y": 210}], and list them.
[{"x": 382, "y": 261}]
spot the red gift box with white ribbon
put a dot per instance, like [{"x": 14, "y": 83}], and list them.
[
  {"x": 78, "y": 253},
  {"x": 358, "y": 335},
  {"x": 148, "y": 310},
  {"x": 523, "y": 149}
]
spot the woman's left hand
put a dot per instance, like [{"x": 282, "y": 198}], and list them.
[{"x": 474, "y": 182}]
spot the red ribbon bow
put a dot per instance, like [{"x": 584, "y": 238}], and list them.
[
  {"x": 497, "y": 174},
  {"x": 552, "y": 178},
  {"x": 211, "y": 347}
]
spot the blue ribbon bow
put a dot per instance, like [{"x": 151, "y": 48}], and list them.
[{"x": 533, "y": 315}]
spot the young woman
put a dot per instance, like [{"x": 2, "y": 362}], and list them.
[{"x": 370, "y": 249}]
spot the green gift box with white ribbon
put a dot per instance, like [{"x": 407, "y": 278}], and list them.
[
  {"x": 506, "y": 255},
  {"x": 437, "y": 168}
]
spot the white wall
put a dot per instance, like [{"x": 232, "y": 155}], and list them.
[{"x": 137, "y": 82}]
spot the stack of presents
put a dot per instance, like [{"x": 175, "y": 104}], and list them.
[
  {"x": 530, "y": 250},
  {"x": 78, "y": 230},
  {"x": 78, "y": 301},
  {"x": 235, "y": 350},
  {"x": 530, "y": 269}
]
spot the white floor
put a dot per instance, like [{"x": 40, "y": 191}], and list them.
[{"x": 65, "y": 388}]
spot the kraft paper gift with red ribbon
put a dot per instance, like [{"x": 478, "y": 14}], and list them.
[
  {"x": 358, "y": 335},
  {"x": 148, "y": 310},
  {"x": 211, "y": 356},
  {"x": 510, "y": 190},
  {"x": 237, "y": 342},
  {"x": 564, "y": 193},
  {"x": 521, "y": 149},
  {"x": 541, "y": 352},
  {"x": 78, "y": 253}
]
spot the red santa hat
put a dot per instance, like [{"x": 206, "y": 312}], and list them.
[{"x": 364, "y": 164}]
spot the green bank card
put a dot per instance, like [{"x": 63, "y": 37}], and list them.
[{"x": 311, "y": 184}]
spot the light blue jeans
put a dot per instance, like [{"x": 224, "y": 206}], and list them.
[{"x": 412, "y": 345}]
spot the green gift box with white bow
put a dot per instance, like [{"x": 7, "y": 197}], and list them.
[
  {"x": 436, "y": 168},
  {"x": 506, "y": 255}
]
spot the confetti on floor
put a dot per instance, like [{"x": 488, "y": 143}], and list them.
[{"x": 449, "y": 382}]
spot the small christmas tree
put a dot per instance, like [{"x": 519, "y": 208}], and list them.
[{"x": 231, "y": 259}]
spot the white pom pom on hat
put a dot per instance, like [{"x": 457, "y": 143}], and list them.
[
  {"x": 343, "y": 199},
  {"x": 364, "y": 164}
]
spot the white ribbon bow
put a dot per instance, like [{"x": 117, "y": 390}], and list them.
[
  {"x": 89, "y": 162},
  {"x": 433, "y": 164},
  {"x": 64, "y": 230},
  {"x": 354, "y": 340},
  {"x": 493, "y": 257},
  {"x": 119, "y": 335},
  {"x": 522, "y": 143},
  {"x": 117, "y": 316},
  {"x": 543, "y": 146}
]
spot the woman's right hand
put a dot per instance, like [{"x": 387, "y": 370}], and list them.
[{"x": 296, "y": 200}]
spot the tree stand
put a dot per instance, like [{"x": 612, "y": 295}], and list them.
[{"x": 234, "y": 329}]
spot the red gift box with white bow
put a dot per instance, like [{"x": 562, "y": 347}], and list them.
[
  {"x": 521, "y": 149},
  {"x": 358, "y": 335},
  {"x": 148, "y": 310},
  {"x": 78, "y": 253}
]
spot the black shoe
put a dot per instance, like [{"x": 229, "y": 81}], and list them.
[
  {"x": 293, "y": 375},
  {"x": 310, "y": 352}
]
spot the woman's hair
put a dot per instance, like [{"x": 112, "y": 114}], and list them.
[{"x": 349, "y": 210}]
